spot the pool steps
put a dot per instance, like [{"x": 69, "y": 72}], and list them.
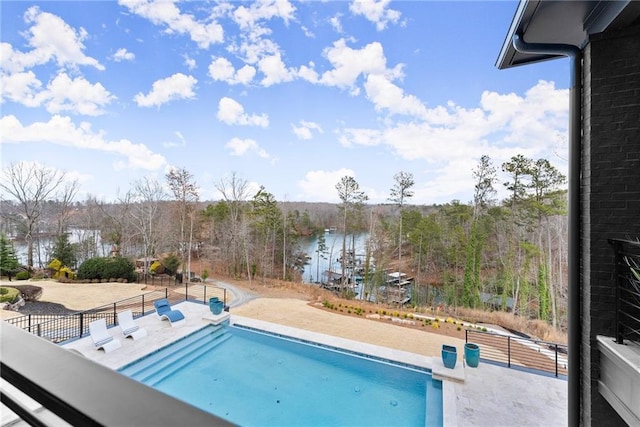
[{"x": 166, "y": 361}]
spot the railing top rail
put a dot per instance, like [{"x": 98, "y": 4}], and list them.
[
  {"x": 130, "y": 300},
  {"x": 99, "y": 308},
  {"x": 635, "y": 243},
  {"x": 517, "y": 337}
]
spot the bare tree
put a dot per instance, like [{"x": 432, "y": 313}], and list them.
[
  {"x": 146, "y": 196},
  {"x": 185, "y": 192},
  {"x": 65, "y": 202},
  {"x": 31, "y": 184},
  {"x": 351, "y": 197},
  {"x": 234, "y": 191}
]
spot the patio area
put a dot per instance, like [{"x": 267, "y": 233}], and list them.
[
  {"x": 485, "y": 396},
  {"x": 488, "y": 395}
]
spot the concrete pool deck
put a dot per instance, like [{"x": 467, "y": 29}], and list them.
[{"x": 488, "y": 395}]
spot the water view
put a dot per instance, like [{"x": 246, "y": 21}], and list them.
[{"x": 318, "y": 263}]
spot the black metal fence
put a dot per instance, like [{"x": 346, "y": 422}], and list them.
[
  {"x": 59, "y": 328},
  {"x": 521, "y": 352},
  {"x": 627, "y": 275}
]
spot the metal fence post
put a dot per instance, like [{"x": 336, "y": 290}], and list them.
[
  {"x": 143, "y": 304},
  {"x": 556, "y": 346},
  {"x": 186, "y": 290},
  {"x": 204, "y": 298},
  {"x": 115, "y": 311},
  {"x": 509, "y": 352},
  {"x": 81, "y": 325},
  {"x": 617, "y": 247}
]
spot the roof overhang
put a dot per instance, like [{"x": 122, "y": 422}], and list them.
[{"x": 562, "y": 22}]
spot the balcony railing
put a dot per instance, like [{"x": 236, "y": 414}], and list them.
[
  {"x": 627, "y": 275},
  {"x": 59, "y": 328},
  {"x": 525, "y": 353},
  {"x": 80, "y": 392}
]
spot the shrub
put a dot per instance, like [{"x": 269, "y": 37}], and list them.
[
  {"x": 30, "y": 292},
  {"x": 156, "y": 268},
  {"x": 40, "y": 275},
  {"x": 171, "y": 263},
  {"x": 97, "y": 269},
  {"x": 23, "y": 275},
  {"x": 66, "y": 273},
  {"x": 9, "y": 295}
]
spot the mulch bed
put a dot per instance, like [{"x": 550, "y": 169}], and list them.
[{"x": 40, "y": 307}]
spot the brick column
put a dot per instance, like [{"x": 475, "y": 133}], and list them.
[{"x": 610, "y": 193}]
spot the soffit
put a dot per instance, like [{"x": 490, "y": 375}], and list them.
[{"x": 562, "y": 22}]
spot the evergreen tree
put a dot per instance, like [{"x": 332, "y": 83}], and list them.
[
  {"x": 401, "y": 191},
  {"x": 64, "y": 251},
  {"x": 322, "y": 253},
  {"x": 8, "y": 259}
]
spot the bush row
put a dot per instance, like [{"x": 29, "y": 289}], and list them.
[{"x": 107, "y": 269}]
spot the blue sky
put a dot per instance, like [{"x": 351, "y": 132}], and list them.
[{"x": 288, "y": 95}]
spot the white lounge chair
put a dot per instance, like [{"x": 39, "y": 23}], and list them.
[
  {"x": 101, "y": 337},
  {"x": 129, "y": 327}
]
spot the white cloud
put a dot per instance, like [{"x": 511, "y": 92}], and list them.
[
  {"x": 123, "y": 54},
  {"x": 305, "y": 130},
  {"x": 375, "y": 11},
  {"x": 189, "y": 62},
  {"x": 320, "y": 186},
  {"x": 350, "y": 63},
  {"x": 171, "y": 144},
  {"x": 508, "y": 121},
  {"x": 50, "y": 38},
  {"x": 221, "y": 69},
  {"x": 254, "y": 46},
  {"x": 178, "y": 86},
  {"x": 451, "y": 139},
  {"x": 62, "y": 131},
  {"x": 70, "y": 176},
  {"x": 387, "y": 96},
  {"x": 335, "y": 23},
  {"x": 263, "y": 10},
  {"x": 166, "y": 13},
  {"x": 77, "y": 95},
  {"x": 368, "y": 137},
  {"x": 274, "y": 70},
  {"x": 232, "y": 112},
  {"x": 61, "y": 94},
  {"x": 21, "y": 87},
  {"x": 240, "y": 147}
]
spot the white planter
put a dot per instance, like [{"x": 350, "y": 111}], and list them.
[{"x": 619, "y": 380}]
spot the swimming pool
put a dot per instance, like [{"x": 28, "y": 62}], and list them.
[{"x": 252, "y": 378}]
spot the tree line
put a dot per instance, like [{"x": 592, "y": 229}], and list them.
[{"x": 500, "y": 254}]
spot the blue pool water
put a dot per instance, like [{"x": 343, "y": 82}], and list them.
[{"x": 257, "y": 379}]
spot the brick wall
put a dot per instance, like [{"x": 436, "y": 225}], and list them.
[{"x": 610, "y": 194}]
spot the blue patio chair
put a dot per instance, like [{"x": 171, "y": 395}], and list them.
[{"x": 164, "y": 311}]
